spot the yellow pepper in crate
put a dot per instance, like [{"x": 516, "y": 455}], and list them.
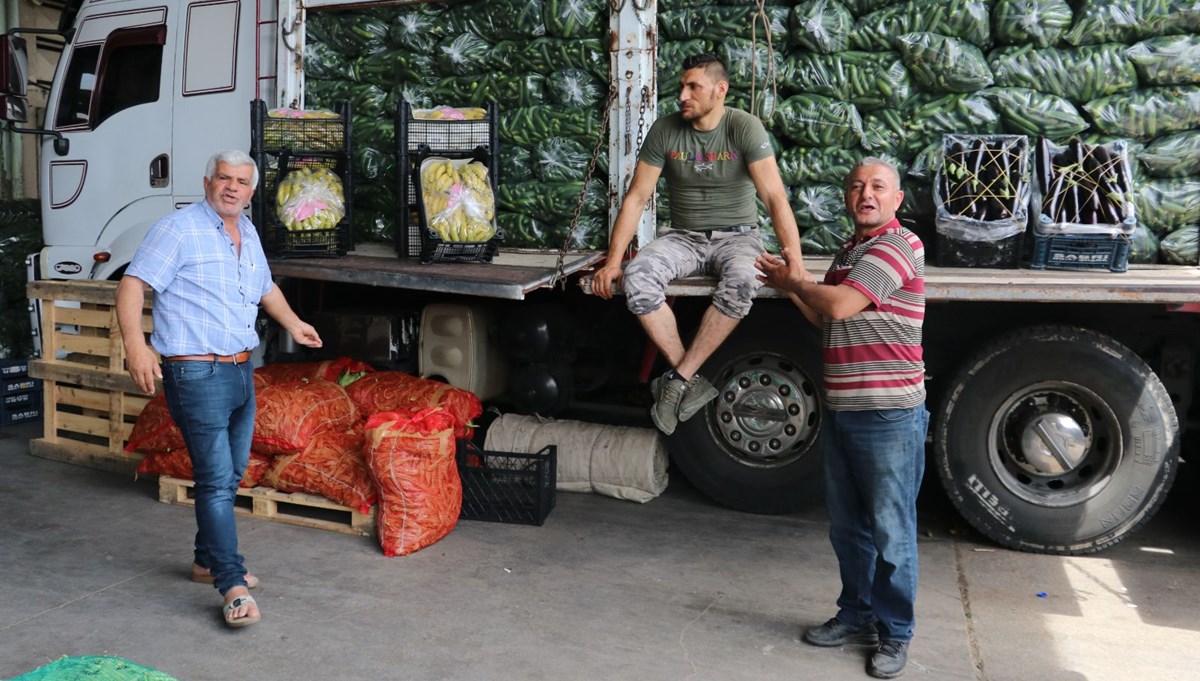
[
  {"x": 310, "y": 198},
  {"x": 459, "y": 204}
]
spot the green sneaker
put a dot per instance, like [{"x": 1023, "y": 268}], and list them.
[
  {"x": 667, "y": 394},
  {"x": 699, "y": 392}
]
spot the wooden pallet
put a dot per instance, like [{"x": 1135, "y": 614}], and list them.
[
  {"x": 306, "y": 510},
  {"x": 90, "y": 402}
]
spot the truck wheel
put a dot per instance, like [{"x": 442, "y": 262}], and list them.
[
  {"x": 1056, "y": 439},
  {"x": 754, "y": 447}
]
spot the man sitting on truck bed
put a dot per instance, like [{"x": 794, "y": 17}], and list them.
[{"x": 714, "y": 159}]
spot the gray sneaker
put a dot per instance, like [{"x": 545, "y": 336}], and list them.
[
  {"x": 889, "y": 660},
  {"x": 836, "y": 633},
  {"x": 668, "y": 392},
  {"x": 699, "y": 392}
]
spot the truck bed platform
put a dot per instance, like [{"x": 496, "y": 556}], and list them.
[
  {"x": 1166, "y": 284},
  {"x": 511, "y": 276}
]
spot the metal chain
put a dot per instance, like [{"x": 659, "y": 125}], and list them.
[
  {"x": 601, "y": 136},
  {"x": 642, "y": 115},
  {"x": 628, "y": 119}
]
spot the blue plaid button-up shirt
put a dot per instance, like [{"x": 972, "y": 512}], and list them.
[{"x": 206, "y": 296}]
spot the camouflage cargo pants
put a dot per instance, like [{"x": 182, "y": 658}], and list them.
[{"x": 679, "y": 253}]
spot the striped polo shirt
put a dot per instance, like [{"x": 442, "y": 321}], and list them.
[{"x": 873, "y": 360}]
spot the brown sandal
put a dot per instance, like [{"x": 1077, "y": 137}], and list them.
[{"x": 203, "y": 576}]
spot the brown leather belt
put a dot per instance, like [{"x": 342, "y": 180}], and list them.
[{"x": 240, "y": 358}]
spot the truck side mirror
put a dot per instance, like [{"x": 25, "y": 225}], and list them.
[{"x": 14, "y": 79}]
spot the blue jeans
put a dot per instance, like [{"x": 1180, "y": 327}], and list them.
[
  {"x": 213, "y": 405},
  {"x": 874, "y": 462}
]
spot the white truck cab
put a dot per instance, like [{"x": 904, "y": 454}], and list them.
[{"x": 145, "y": 92}]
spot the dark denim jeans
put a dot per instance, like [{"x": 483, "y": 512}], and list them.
[
  {"x": 874, "y": 462},
  {"x": 213, "y": 404}
]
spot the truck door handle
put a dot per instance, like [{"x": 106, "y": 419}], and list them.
[{"x": 160, "y": 172}]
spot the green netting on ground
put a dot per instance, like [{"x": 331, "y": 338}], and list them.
[{"x": 94, "y": 668}]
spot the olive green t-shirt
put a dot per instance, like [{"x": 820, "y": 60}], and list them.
[{"x": 708, "y": 181}]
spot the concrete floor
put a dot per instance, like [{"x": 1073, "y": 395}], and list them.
[{"x": 677, "y": 588}]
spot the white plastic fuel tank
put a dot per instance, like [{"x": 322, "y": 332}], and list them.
[{"x": 457, "y": 348}]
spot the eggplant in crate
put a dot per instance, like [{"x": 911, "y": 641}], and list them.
[{"x": 981, "y": 194}]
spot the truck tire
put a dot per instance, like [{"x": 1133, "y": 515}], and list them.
[
  {"x": 1056, "y": 439},
  {"x": 754, "y": 447}
]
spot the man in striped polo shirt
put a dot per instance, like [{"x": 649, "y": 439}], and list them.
[{"x": 870, "y": 307}]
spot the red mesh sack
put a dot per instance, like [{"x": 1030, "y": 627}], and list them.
[
  {"x": 256, "y": 470},
  {"x": 155, "y": 430},
  {"x": 385, "y": 391},
  {"x": 260, "y": 380},
  {"x": 411, "y": 456},
  {"x": 328, "y": 370},
  {"x": 332, "y": 466},
  {"x": 175, "y": 463},
  {"x": 289, "y": 414}
]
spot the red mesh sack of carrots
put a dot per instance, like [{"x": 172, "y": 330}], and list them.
[
  {"x": 290, "y": 414},
  {"x": 177, "y": 463},
  {"x": 328, "y": 370},
  {"x": 385, "y": 391},
  {"x": 332, "y": 466},
  {"x": 155, "y": 430},
  {"x": 411, "y": 456},
  {"x": 256, "y": 470}
]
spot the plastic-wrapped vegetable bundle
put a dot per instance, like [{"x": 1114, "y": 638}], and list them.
[
  {"x": 1080, "y": 75},
  {"x": 373, "y": 163},
  {"x": 514, "y": 89},
  {"x": 559, "y": 159},
  {"x": 1124, "y": 21},
  {"x": 575, "y": 88},
  {"x": 575, "y": 18},
  {"x": 1168, "y": 204},
  {"x": 322, "y": 61},
  {"x": 1143, "y": 246},
  {"x": 1175, "y": 155},
  {"x": 860, "y": 7},
  {"x": 1179, "y": 247},
  {"x": 465, "y": 54},
  {"x": 722, "y": 23},
  {"x": 417, "y": 94},
  {"x": 516, "y": 164},
  {"x": 816, "y": 121},
  {"x": 1040, "y": 23},
  {"x": 748, "y": 64},
  {"x": 917, "y": 210},
  {"x": 1029, "y": 112},
  {"x": 867, "y": 80},
  {"x": 1149, "y": 113},
  {"x": 310, "y": 198},
  {"x": 546, "y": 55},
  {"x": 670, "y": 57},
  {"x": 924, "y": 119},
  {"x": 551, "y": 201},
  {"x": 1169, "y": 60},
  {"x": 943, "y": 64},
  {"x": 497, "y": 20},
  {"x": 418, "y": 28},
  {"x": 826, "y": 238},
  {"x": 764, "y": 104},
  {"x": 529, "y": 125},
  {"x": 822, "y": 26},
  {"x": 816, "y": 203},
  {"x": 964, "y": 19},
  {"x": 831, "y": 165},
  {"x": 887, "y": 131},
  {"x": 526, "y": 231},
  {"x": 351, "y": 34},
  {"x": 459, "y": 204},
  {"x": 927, "y": 161}
]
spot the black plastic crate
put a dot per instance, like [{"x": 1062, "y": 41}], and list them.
[
  {"x": 507, "y": 487},
  {"x": 443, "y": 138},
  {"x": 433, "y": 247},
  {"x": 1003, "y": 253},
  {"x": 13, "y": 368},
  {"x": 1080, "y": 252},
  {"x": 277, "y": 145}
]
